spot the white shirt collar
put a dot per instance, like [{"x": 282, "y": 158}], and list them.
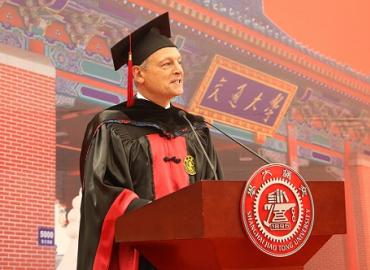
[{"x": 140, "y": 96}]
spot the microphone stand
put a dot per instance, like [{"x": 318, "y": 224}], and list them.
[
  {"x": 239, "y": 143},
  {"x": 182, "y": 114}
]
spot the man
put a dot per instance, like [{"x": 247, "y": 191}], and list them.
[{"x": 139, "y": 151}]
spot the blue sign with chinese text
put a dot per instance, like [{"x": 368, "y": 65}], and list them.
[
  {"x": 46, "y": 236},
  {"x": 243, "y": 97}
]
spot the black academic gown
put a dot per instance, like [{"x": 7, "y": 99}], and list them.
[{"x": 131, "y": 156}]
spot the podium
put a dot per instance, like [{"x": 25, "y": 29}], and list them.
[{"x": 200, "y": 227}]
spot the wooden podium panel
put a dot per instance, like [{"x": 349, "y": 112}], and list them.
[{"x": 200, "y": 227}]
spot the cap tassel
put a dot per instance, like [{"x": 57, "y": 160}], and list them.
[{"x": 130, "y": 90}]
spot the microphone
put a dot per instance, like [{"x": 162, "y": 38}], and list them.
[
  {"x": 182, "y": 114},
  {"x": 242, "y": 145}
]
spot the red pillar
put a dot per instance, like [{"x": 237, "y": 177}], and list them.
[
  {"x": 360, "y": 172},
  {"x": 351, "y": 237},
  {"x": 292, "y": 147}
]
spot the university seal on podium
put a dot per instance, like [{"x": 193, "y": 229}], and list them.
[{"x": 277, "y": 210}]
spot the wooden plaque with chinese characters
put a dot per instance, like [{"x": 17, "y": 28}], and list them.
[{"x": 243, "y": 97}]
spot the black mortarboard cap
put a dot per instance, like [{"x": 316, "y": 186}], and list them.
[{"x": 149, "y": 38}]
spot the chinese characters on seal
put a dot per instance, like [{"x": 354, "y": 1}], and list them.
[{"x": 277, "y": 210}]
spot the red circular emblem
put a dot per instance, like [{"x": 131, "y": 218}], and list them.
[{"x": 277, "y": 210}]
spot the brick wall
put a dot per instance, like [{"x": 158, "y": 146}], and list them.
[
  {"x": 360, "y": 174},
  {"x": 27, "y": 158},
  {"x": 350, "y": 251}
]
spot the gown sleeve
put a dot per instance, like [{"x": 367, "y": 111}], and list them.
[{"x": 107, "y": 194}]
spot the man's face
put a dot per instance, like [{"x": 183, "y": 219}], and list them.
[{"x": 162, "y": 76}]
